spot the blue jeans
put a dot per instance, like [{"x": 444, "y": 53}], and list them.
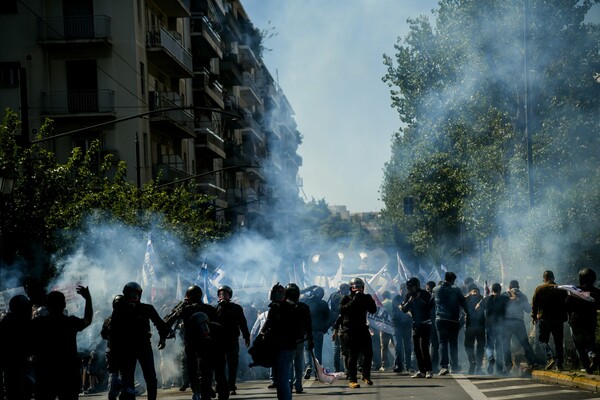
[
  {"x": 403, "y": 346},
  {"x": 448, "y": 336},
  {"x": 297, "y": 367},
  {"x": 281, "y": 374}
]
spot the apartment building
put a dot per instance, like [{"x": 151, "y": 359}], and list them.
[{"x": 175, "y": 88}]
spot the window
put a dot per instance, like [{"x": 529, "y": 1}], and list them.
[
  {"x": 9, "y": 75},
  {"x": 143, "y": 78}
]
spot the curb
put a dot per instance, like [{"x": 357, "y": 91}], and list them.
[{"x": 570, "y": 379}]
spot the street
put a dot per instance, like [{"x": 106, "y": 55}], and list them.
[{"x": 388, "y": 385}]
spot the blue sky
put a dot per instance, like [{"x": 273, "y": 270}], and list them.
[{"x": 328, "y": 58}]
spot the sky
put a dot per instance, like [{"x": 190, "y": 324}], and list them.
[{"x": 328, "y": 58}]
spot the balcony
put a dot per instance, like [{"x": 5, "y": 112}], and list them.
[
  {"x": 252, "y": 128},
  {"x": 231, "y": 74},
  {"x": 174, "y": 8},
  {"x": 247, "y": 57},
  {"x": 80, "y": 102},
  {"x": 181, "y": 120},
  {"x": 203, "y": 82},
  {"x": 167, "y": 173},
  {"x": 207, "y": 184},
  {"x": 164, "y": 49},
  {"x": 85, "y": 29},
  {"x": 206, "y": 138},
  {"x": 249, "y": 91},
  {"x": 232, "y": 105},
  {"x": 205, "y": 39}
]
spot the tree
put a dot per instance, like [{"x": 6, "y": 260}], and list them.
[
  {"x": 53, "y": 204},
  {"x": 468, "y": 87}
]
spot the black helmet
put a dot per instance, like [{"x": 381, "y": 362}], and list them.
[
  {"x": 20, "y": 305},
  {"x": 132, "y": 291},
  {"x": 357, "y": 285},
  {"x": 292, "y": 292},
  {"x": 226, "y": 289},
  {"x": 587, "y": 276},
  {"x": 414, "y": 282},
  {"x": 118, "y": 302},
  {"x": 277, "y": 293},
  {"x": 344, "y": 288},
  {"x": 193, "y": 294}
]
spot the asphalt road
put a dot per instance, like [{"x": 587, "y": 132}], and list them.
[{"x": 388, "y": 385}]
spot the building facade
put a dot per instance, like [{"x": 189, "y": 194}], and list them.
[{"x": 175, "y": 88}]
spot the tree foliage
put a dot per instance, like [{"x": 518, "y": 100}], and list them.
[
  {"x": 52, "y": 203},
  {"x": 468, "y": 85}
]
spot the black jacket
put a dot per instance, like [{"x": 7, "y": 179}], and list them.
[
  {"x": 353, "y": 311},
  {"x": 419, "y": 305},
  {"x": 231, "y": 317}
]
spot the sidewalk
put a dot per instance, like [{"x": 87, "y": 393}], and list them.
[{"x": 577, "y": 379}]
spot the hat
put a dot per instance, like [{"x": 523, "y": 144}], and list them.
[{"x": 514, "y": 284}]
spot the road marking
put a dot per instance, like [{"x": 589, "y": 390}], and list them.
[
  {"x": 482, "y": 381},
  {"x": 524, "y": 395},
  {"x": 499, "y": 389},
  {"x": 469, "y": 387}
]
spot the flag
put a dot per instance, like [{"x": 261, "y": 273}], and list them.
[
  {"x": 434, "y": 275},
  {"x": 336, "y": 281},
  {"x": 502, "y": 269},
  {"x": 381, "y": 320},
  {"x": 422, "y": 274},
  {"x": 382, "y": 280},
  {"x": 576, "y": 292},
  {"x": 148, "y": 274},
  {"x": 217, "y": 277},
  {"x": 179, "y": 290},
  {"x": 323, "y": 374},
  {"x": 402, "y": 270},
  {"x": 203, "y": 282}
]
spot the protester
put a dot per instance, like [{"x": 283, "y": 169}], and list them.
[
  {"x": 419, "y": 303},
  {"x": 494, "y": 306},
  {"x": 514, "y": 325},
  {"x": 208, "y": 341},
  {"x": 474, "y": 330},
  {"x": 355, "y": 333},
  {"x": 231, "y": 317},
  {"x": 448, "y": 302},
  {"x": 57, "y": 363},
  {"x": 334, "y": 302},
  {"x": 402, "y": 323},
  {"x": 548, "y": 311},
  {"x": 301, "y": 330},
  {"x": 582, "y": 315},
  {"x": 434, "y": 347},
  {"x": 385, "y": 339},
  {"x": 15, "y": 348},
  {"x": 319, "y": 314},
  {"x": 279, "y": 326},
  {"x": 182, "y": 312},
  {"x": 130, "y": 337},
  {"x": 113, "y": 365}
]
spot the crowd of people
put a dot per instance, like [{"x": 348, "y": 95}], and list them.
[{"x": 432, "y": 328}]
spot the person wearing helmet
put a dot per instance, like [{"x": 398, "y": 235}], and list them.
[
  {"x": 319, "y": 313},
  {"x": 15, "y": 347},
  {"x": 354, "y": 332},
  {"x": 302, "y": 330},
  {"x": 279, "y": 327},
  {"x": 182, "y": 313},
  {"x": 334, "y": 304},
  {"x": 208, "y": 340},
  {"x": 130, "y": 339},
  {"x": 231, "y": 316},
  {"x": 112, "y": 362},
  {"x": 57, "y": 366},
  {"x": 582, "y": 320}
]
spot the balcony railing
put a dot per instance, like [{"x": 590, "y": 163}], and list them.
[
  {"x": 78, "y": 101},
  {"x": 168, "y": 173},
  {"x": 85, "y": 27},
  {"x": 249, "y": 90},
  {"x": 167, "y": 41},
  {"x": 184, "y": 119}
]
